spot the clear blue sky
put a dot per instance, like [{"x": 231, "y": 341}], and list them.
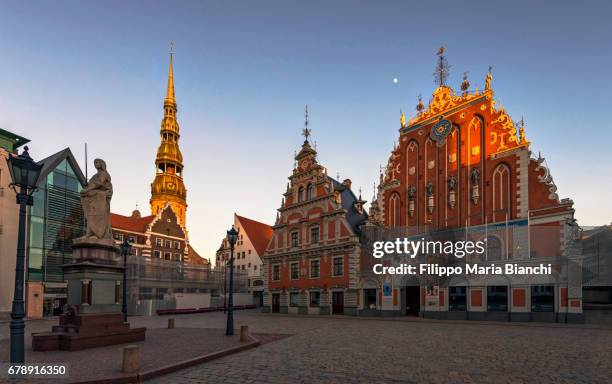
[{"x": 76, "y": 71}]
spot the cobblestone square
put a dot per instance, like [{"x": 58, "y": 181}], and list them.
[{"x": 402, "y": 350}]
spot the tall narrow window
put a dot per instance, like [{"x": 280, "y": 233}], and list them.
[
  {"x": 501, "y": 193},
  {"x": 294, "y": 239},
  {"x": 300, "y": 194},
  {"x": 276, "y": 272},
  {"x": 314, "y": 268},
  {"x": 394, "y": 210},
  {"x": 310, "y": 191},
  {"x": 314, "y": 234},
  {"x": 295, "y": 271}
]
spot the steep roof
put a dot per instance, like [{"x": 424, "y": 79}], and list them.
[
  {"x": 259, "y": 233},
  {"x": 51, "y": 162},
  {"x": 130, "y": 223},
  {"x": 195, "y": 258}
]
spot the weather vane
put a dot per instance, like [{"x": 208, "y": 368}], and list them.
[
  {"x": 306, "y": 132},
  {"x": 443, "y": 69}
]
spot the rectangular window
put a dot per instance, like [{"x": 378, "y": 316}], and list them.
[
  {"x": 294, "y": 239},
  {"x": 314, "y": 268},
  {"x": 338, "y": 266},
  {"x": 295, "y": 271},
  {"x": 497, "y": 298},
  {"x": 276, "y": 272},
  {"x": 254, "y": 267},
  {"x": 177, "y": 245},
  {"x": 369, "y": 298},
  {"x": 177, "y": 257},
  {"x": 156, "y": 254},
  {"x": 167, "y": 255},
  {"x": 158, "y": 241},
  {"x": 132, "y": 239},
  {"x": 457, "y": 299},
  {"x": 118, "y": 236},
  {"x": 167, "y": 243},
  {"x": 314, "y": 235},
  {"x": 542, "y": 298},
  {"x": 294, "y": 299},
  {"x": 315, "y": 298}
]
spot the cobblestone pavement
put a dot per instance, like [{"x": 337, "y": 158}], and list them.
[
  {"x": 374, "y": 350},
  {"x": 346, "y": 350}
]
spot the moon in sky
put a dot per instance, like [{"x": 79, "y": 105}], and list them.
[{"x": 395, "y": 80}]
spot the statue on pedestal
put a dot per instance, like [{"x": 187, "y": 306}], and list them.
[{"x": 95, "y": 198}]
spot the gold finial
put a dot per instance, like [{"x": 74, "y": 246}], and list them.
[
  {"x": 170, "y": 90},
  {"x": 441, "y": 51},
  {"x": 420, "y": 106},
  {"x": 402, "y": 119}
]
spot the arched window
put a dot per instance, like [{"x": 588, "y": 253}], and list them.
[
  {"x": 394, "y": 210},
  {"x": 493, "y": 248},
  {"x": 310, "y": 192},
  {"x": 501, "y": 193},
  {"x": 300, "y": 194}
]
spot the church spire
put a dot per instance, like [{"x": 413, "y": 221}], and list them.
[
  {"x": 170, "y": 90},
  {"x": 168, "y": 186}
]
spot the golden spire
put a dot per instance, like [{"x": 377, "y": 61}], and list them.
[
  {"x": 168, "y": 186},
  {"x": 170, "y": 90}
]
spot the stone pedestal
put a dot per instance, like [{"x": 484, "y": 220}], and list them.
[{"x": 93, "y": 316}]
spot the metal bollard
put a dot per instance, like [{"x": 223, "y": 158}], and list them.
[
  {"x": 170, "y": 323},
  {"x": 244, "y": 333},
  {"x": 131, "y": 359}
]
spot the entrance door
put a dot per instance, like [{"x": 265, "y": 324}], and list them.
[
  {"x": 275, "y": 302},
  {"x": 412, "y": 300},
  {"x": 337, "y": 303}
]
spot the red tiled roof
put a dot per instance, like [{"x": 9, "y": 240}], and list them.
[
  {"x": 259, "y": 233},
  {"x": 130, "y": 223}
]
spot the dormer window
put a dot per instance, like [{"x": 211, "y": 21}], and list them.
[{"x": 310, "y": 192}]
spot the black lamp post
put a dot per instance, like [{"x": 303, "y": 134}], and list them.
[
  {"x": 224, "y": 285},
  {"x": 125, "y": 251},
  {"x": 24, "y": 174},
  {"x": 232, "y": 236}
]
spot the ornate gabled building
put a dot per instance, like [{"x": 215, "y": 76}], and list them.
[
  {"x": 159, "y": 236},
  {"x": 168, "y": 186},
  {"x": 463, "y": 166},
  {"x": 311, "y": 265}
]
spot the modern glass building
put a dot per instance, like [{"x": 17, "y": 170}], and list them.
[{"x": 55, "y": 219}]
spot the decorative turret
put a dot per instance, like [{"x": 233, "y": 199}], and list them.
[{"x": 168, "y": 186}]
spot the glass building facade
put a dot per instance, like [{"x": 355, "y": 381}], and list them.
[{"x": 54, "y": 220}]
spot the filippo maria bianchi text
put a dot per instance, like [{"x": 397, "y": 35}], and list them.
[{"x": 467, "y": 269}]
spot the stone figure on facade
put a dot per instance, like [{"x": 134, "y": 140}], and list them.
[{"x": 95, "y": 198}]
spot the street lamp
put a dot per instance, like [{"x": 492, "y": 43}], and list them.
[
  {"x": 24, "y": 174},
  {"x": 224, "y": 283},
  {"x": 125, "y": 251},
  {"x": 232, "y": 236}
]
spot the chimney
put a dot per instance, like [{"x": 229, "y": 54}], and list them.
[{"x": 347, "y": 183}]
